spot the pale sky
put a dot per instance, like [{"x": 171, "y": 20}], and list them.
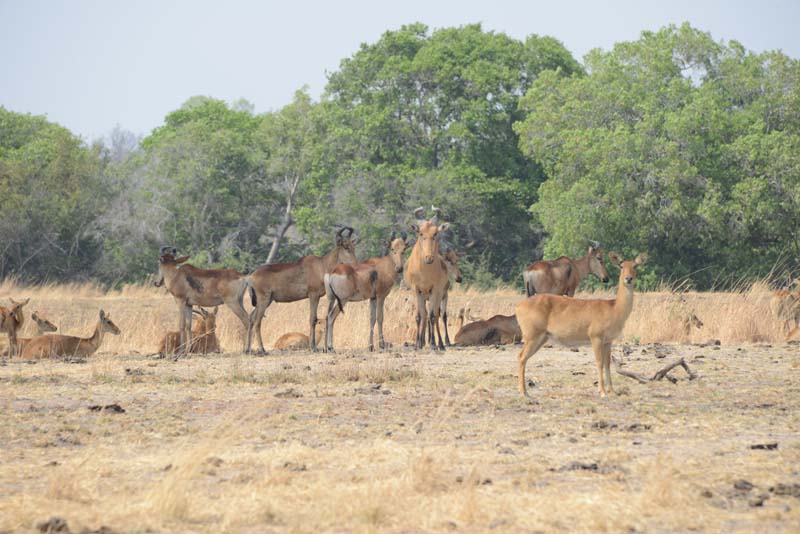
[{"x": 90, "y": 65}]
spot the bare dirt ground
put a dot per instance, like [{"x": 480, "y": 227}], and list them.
[{"x": 402, "y": 440}]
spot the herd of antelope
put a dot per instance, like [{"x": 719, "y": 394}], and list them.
[{"x": 548, "y": 312}]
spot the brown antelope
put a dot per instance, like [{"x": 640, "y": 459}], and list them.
[
  {"x": 11, "y": 321},
  {"x": 450, "y": 259},
  {"x": 785, "y": 305},
  {"x": 426, "y": 275},
  {"x": 691, "y": 320},
  {"x": 302, "y": 279},
  {"x": 497, "y": 330},
  {"x": 579, "y": 322},
  {"x": 372, "y": 279},
  {"x": 204, "y": 336},
  {"x": 191, "y": 286},
  {"x": 42, "y": 327},
  {"x": 298, "y": 340},
  {"x": 52, "y": 345},
  {"x": 562, "y": 276}
]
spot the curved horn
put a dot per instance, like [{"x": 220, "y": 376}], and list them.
[
  {"x": 419, "y": 213},
  {"x": 340, "y": 230},
  {"x": 437, "y": 211},
  {"x": 595, "y": 244},
  {"x": 350, "y": 231},
  {"x": 393, "y": 236},
  {"x": 167, "y": 249}
]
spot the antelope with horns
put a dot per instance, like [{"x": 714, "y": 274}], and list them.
[
  {"x": 204, "y": 336},
  {"x": 302, "y": 279},
  {"x": 191, "y": 286},
  {"x": 579, "y": 322},
  {"x": 52, "y": 345},
  {"x": 372, "y": 279},
  {"x": 43, "y": 326},
  {"x": 497, "y": 330},
  {"x": 426, "y": 275},
  {"x": 562, "y": 276},
  {"x": 11, "y": 321}
]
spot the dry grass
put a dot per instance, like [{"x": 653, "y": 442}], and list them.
[{"x": 399, "y": 440}]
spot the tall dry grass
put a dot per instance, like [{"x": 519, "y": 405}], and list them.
[{"x": 144, "y": 313}]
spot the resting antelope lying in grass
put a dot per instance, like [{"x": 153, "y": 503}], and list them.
[
  {"x": 298, "y": 340},
  {"x": 191, "y": 286},
  {"x": 302, "y": 279},
  {"x": 11, "y": 321},
  {"x": 204, "y": 336},
  {"x": 579, "y": 322},
  {"x": 42, "y": 327},
  {"x": 497, "y": 330},
  {"x": 563, "y": 275},
  {"x": 372, "y": 279},
  {"x": 53, "y": 345}
]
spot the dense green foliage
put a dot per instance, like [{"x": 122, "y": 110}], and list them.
[{"x": 675, "y": 143}]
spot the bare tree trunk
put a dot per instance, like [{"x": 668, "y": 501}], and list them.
[{"x": 288, "y": 221}]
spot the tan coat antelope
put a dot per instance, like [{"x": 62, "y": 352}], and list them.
[
  {"x": 426, "y": 275},
  {"x": 579, "y": 322},
  {"x": 54, "y": 345}
]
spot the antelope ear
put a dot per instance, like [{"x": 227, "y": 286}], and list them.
[
  {"x": 615, "y": 259},
  {"x": 354, "y": 241},
  {"x": 414, "y": 227},
  {"x": 641, "y": 258},
  {"x": 102, "y": 315},
  {"x": 444, "y": 226},
  {"x": 182, "y": 259}
]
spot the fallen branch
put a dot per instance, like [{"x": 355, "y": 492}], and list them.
[{"x": 660, "y": 374}]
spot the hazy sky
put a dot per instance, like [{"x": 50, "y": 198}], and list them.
[{"x": 90, "y": 65}]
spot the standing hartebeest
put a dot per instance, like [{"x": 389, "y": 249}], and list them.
[
  {"x": 562, "y": 276},
  {"x": 302, "y": 279},
  {"x": 450, "y": 259},
  {"x": 372, "y": 279},
  {"x": 426, "y": 274},
  {"x": 579, "y": 322},
  {"x": 11, "y": 321},
  {"x": 191, "y": 286}
]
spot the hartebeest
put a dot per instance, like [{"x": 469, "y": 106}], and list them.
[
  {"x": 372, "y": 279},
  {"x": 42, "y": 327},
  {"x": 497, "y": 330},
  {"x": 450, "y": 259},
  {"x": 204, "y": 336},
  {"x": 579, "y": 322},
  {"x": 11, "y": 321},
  {"x": 302, "y": 279},
  {"x": 191, "y": 286},
  {"x": 426, "y": 275},
  {"x": 52, "y": 345},
  {"x": 562, "y": 276}
]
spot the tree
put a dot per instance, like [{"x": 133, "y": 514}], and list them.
[{"x": 675, "y": 144}]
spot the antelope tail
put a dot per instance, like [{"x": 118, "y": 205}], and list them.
[
  {"x": 329, "y": 292},
  {"x": 253, "y": 299},
  {"x": 530, "y": 289}
]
